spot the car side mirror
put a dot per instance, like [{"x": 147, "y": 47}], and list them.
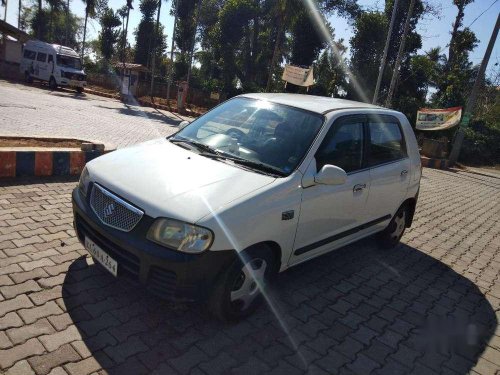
[
  {"x": 331, "y": 175},
  {"x": 183, "y": 124}
]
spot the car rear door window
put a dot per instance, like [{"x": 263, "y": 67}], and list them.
[
  {"x": 386, "y": 141},
  {"x": 342, "y": 146}
]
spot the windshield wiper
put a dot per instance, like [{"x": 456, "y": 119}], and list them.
[
  {"x": 200, "y": 146},
  {"x": 249, "y": 163}
]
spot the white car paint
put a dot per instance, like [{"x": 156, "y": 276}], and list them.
[{"x": 244, "y": 208}]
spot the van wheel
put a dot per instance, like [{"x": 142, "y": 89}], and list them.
[
  {"x": 79, "y": 90},
  {"x": 391, "y": 235},
  {"x": 238, "y": 292},
  {"x": 52, "y": 83},
  {"x": 27, "y": 77}
]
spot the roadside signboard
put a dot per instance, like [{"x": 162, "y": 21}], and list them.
[
  {"x": 438, "y": 119},
  {"x": 298, "y": 76}
]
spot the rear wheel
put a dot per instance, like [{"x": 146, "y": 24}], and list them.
[
  {"x": 52, "y": 83},
  {"x": 391, "y": 235},
  {"x": 238, "y": 292}
]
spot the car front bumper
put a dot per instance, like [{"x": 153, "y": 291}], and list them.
[
  {"x": 73, "y": 83},
  {"x": 167, "y": 273}
]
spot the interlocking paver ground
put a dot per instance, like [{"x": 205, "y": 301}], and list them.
[
  {"x": 431, "y": 305},
  {"x": 35, "y": 110}
]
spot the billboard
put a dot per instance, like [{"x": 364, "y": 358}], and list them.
[{"x": 438, "y": 119}]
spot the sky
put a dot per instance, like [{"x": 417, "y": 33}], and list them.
[{"x": 435, "y": 31}]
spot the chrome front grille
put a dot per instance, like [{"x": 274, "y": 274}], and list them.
[{"x": 114, "y": 211}]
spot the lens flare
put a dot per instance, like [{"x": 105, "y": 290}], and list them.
[
  {"x": 324, "y": 32},
  {"x": 272, "y": 305}
]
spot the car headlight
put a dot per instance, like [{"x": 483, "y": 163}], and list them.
[
  {"x": 181, "y": 236},
  {"x": 83, "y": 184}
]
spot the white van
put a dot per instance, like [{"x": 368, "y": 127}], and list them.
[
  {"x": 55, "y": 64},
  {"x": 259, "y": 184}
]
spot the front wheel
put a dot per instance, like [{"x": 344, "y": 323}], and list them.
[
  {"x": 391, "y": 235},
  {"x": 239, "y": 290},
  {"x": 79, "y": 90}
]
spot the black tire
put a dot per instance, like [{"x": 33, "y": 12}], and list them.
[
  {"x": 391, "y": 235},
  {"x": 220, "y": 302},
  {"x": 27, "y": 77},
  {"x": 79, "y": 90},
  {"x": 52, "y": 83}
]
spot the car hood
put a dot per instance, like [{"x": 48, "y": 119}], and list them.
[{"x": 166, "y": 180}]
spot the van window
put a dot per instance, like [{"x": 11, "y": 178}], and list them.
[
  {"x": 342, "y": 146},
  {"x": 41, "y": 57},
  {"x": 29, "y": 54},
  {"x": 386, "y": 142},
  {"x": 68, "y": 62},
  {"x": 51, "y": 58}
]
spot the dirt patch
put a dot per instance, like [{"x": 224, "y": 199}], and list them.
[{"x": 39, "y": 142}]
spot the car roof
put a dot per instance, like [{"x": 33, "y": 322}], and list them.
[{"x": 318, "y": 104}]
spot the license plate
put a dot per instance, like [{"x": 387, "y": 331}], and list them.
[
  {"x": 100, "y": 255},
  {"x": 76, "y": 83}
]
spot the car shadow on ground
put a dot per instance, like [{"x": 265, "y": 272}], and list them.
[
  {"x": 137, "y": 111},
  {"x": 357, "y": 310}
]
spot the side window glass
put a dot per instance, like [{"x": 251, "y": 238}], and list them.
[
  {"x": 51, "y": 59},
  {"x": 41, "y": 57},
  {"x": 386, "y": 142},
  {"x": 342, "y": 146},
  {"x": 29, "y": 54}
]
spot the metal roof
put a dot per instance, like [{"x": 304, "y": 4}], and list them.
[{"x": 319, "y": 104}]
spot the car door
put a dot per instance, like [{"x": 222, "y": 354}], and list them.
[
  {"x": 331, "y": 214},
  {"x": 41, "y": 70},
  {"x": 389, "y": 165}
]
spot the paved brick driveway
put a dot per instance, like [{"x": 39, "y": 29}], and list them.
[
  {"x": 430, "y": 306},
  {"x": 33, "y": 110}
]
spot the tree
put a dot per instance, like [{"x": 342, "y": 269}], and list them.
[
  {"x": 32, "y": 20},
  {"x": 90, "y": 11},
  {"x": 144, "y": 34},
  {"x": 108, "y": 36},
  {"x": 330, "y": 79}
]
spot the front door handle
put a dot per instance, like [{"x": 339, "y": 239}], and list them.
[
  {"x": 404, "y": 172},
  {"x": 359, "y": 187}
]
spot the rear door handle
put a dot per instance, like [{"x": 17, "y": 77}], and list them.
[
  {"x": 359, "y": 187},
  {"x": 404, "y": 172}
]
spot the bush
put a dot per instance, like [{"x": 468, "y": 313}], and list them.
[{"x": 481, "y": 144}]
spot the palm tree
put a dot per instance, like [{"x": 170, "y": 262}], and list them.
[
  {"x": 54, "y": 5},
  {"x": 90, "y": 11}
]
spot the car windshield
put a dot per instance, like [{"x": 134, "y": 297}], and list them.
[
  {"x": 264, "y": 135},
  {"x": 69, "y": 62}
]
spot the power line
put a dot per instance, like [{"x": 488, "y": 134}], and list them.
[{"x": 475, "y": 19}]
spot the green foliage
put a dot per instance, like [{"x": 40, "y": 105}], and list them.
[
  {"x": 53, "y": 25},
  {"x": 144, "y": 35},
  {"x": 330, "y": 78},
  {"x": 108, "y": 36}
]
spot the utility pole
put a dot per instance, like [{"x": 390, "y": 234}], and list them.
[
  {"x": 5, "y": 14},
  {"x": 19, "y": 16},
  {"x": 67, "y": 22},
  {"x": 395, "y": 74},
  {"x": 194, "y": 41},
  {"x": 154, "y": 51},
  {"x": 459, "y": 137},
  {"x": 384, "y": 56},
  {"x": 171, "y": 66}
]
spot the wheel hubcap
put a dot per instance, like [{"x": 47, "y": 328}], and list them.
[
  {"x": 399, "y": 222},
  {"x": 247, "y": 285}
]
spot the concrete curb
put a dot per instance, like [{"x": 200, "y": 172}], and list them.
[
  {"x": 187, "y": 112},
  {"x": 434, "y": 163},
  {"x": 45, "y": 163}
]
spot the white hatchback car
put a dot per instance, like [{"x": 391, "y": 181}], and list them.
[{"x": 259, "y": 184}]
